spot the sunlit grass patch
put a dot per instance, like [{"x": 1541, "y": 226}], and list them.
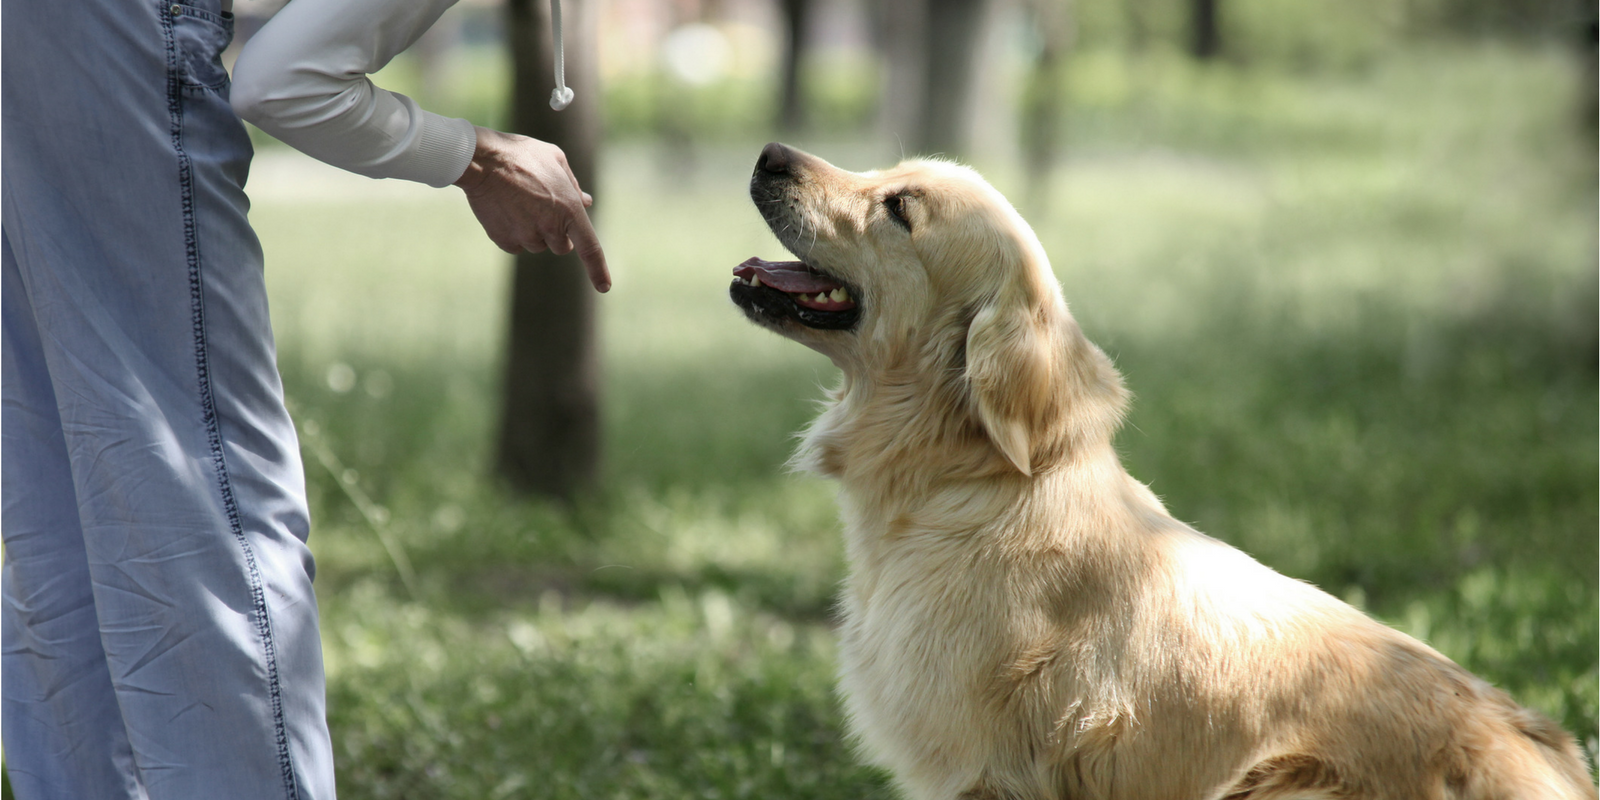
[{"x": 690, "y": 695}]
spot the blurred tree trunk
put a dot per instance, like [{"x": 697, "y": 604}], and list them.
[
  {"x": 929, "y": 48},
  {"x": 1044, "y": 98},
  {"x": 1589, "y": 54},
  {"x": 1205, "y": 30},
  {"x": 791, "y": 105},
  {"x": 950, "y": 45},
  {"x": 1136, "y": 15},
  {"x": 897, "y": 27},
  {"x": 549, "y": 441}
]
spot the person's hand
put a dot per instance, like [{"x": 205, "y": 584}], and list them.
[{"x": 527, "y": 198}]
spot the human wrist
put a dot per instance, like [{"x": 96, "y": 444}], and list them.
[{"x": 486, "y": 155}]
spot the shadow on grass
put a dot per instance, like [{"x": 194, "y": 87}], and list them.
[{"x": 1393, "y": 455}]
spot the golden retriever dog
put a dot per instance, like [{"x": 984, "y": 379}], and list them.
[{"x": 1023, "y": 620}]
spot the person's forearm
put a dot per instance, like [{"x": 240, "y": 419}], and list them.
[{"x": 303, "y": 79}]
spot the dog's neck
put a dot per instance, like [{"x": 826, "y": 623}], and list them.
[{"x": 905, "y": 428}]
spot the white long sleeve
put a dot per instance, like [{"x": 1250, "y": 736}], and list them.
[{"x": 303, "y": 79}]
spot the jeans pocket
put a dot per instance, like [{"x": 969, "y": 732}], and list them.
[{"x": 200, "y": 37}]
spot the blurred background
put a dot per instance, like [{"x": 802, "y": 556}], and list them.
[{"x": 1344, "y": 252}]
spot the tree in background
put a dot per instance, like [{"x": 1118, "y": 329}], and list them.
[
  {"x": 950, "y": 47},
  {"x": 930, "y": 48},
  {"x": 1589, "y": 54},
  {"x": 1205, "y": 31},
  {"x": 897, "y": 33},
  {"x": 549, "y": 439},
  {"x": 791, "y": 102},
  {"x": 1044, "y": 97}
]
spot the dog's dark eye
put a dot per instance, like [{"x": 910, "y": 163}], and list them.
[{"x": 895, "y": 204}]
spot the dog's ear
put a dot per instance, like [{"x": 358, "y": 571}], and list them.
[{"x": 1011, "y": 375}]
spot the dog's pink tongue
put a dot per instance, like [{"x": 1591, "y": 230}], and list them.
[{"x": 787, "y": 276}]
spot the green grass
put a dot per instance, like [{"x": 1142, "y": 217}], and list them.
[{"x": 1357, "y": 312}]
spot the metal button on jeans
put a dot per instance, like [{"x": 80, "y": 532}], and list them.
[{"x": 177, "y": 10}]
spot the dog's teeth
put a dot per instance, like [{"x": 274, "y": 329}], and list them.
[
  {"x": 822, "y": 297},
  {"x": 844, "y": 294},
  {"x": 837, "y": 295},
  {"x": 755, "y": 280}
]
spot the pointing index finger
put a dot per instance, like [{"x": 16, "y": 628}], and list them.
[{"x": 587, "y": 243}]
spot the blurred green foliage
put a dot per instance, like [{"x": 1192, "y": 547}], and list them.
[
  {"x": 841, "y": 86},
  {"x": 1328, "y": 33}
]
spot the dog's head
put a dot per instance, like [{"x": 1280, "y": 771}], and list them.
[{"x": 924, "y": 275}]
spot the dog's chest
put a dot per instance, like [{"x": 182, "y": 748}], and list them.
[{"x": 923, "y": 636}]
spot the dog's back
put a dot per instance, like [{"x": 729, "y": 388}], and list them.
[
  {"x": 1255, "y": 686},
  {"x": 1352, "y": 708},
  {"x": 1512, "y": 752}
]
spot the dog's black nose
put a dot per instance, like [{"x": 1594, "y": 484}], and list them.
[{"x": 776, "y": 158}]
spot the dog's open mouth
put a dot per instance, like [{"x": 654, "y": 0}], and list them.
[{"x": 792, "y": 290}]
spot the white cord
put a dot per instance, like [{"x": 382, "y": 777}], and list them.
[{"x": 561, "y": 96}]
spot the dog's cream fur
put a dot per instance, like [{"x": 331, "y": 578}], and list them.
[{"x": 1022, "y": 618}]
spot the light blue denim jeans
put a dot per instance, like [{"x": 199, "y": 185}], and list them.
[{"x": 159, "y": 628}]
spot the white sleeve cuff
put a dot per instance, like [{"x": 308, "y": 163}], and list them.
[{"x": 444, "y": 149}]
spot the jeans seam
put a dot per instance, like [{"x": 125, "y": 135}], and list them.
[
  {"x": 208, "y": 409},
  {"x": 196, "y": 11}
]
